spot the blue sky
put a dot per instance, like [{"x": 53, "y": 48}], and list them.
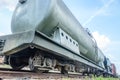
[{"x": 102, "y": 17}]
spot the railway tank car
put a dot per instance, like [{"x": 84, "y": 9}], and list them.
[
  {"x": 47, "y": 35},
  {"x": 45, "y": 16},
  {"x": 101, "y": 58},
  {"x": 114, "y": 70}
]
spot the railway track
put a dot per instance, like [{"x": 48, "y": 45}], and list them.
[{"x": 9, "y": 74}]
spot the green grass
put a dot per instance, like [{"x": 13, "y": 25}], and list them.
[
  {"x": 4, "y": 66},
  {"x": 101, "y": 78},
  {"x": 93, "y": 78}
]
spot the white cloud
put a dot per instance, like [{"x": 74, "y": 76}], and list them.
[
  {"x": 8, "y": 4},
  {"x": 102, "y": 40},
  {"x": 109, "y": 48},
  {"x": 1, "y": 34}
]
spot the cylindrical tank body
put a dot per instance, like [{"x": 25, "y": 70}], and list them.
[
  {"x": 101, "y": 58},
  {"x": 109, "y": 65},
  {"x": 45, "y": 15}
]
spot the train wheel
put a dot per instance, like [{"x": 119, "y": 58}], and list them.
[
  {"x": 38, "y": 63},
  {"x": 16, "y": 63},
  {"x": 64, "y": 70},
  {"x": 31, "y": 64}
]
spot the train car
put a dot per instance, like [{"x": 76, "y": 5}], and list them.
[
  {"x": 114, "y": 70},
  {"x": 47, "y": 17},
  {"x": 109, "y": 68},
  {"x": 47, "y": 35},
  {"x": 101, "y": 58}
]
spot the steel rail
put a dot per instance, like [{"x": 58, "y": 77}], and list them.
[{"x": 9, "y": 74}]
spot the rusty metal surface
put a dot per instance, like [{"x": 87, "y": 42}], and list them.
[{"x": 8, "y": 74}]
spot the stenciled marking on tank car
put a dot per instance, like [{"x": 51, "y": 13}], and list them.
[{"x": 2, "y": 43}]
